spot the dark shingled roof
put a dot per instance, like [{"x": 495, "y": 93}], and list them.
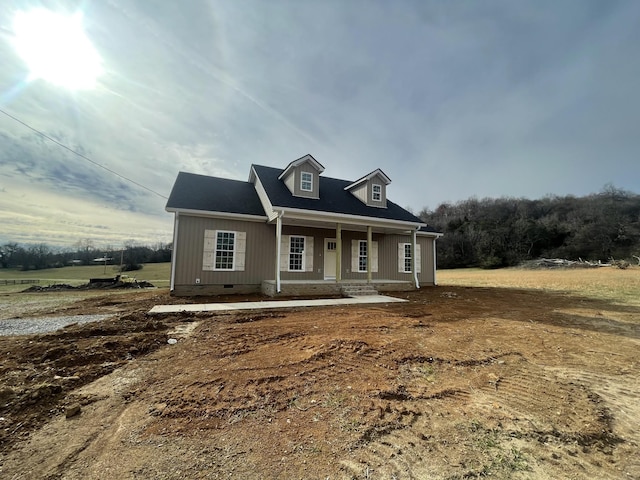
[
  {"x": 333, "y": 198},
  {"x": 428, "y": 229},
  {"x": 213, "y": 194}
]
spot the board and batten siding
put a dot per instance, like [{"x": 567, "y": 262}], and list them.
[
  {"x": 318, "y": 235},
  {"x": 426, "y": 276},
  {"x": 360, "y": 192},
  {"x": 261, "y": 250},
  {"x": 377, "y": 179},
  {"x": 388, "y": 257},
  {"x": 259, "y": 253},
  {"x": 297, "y": 174}
]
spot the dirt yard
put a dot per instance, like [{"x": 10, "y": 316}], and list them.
[{"x": 457, "y": 383}]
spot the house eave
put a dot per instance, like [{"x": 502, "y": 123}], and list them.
[
  {"x": 262, "y": 193},
  {"x": 429, "y": 234},
  {"x": 227, "y": 215},
  {"x": 312, "y": 215}
]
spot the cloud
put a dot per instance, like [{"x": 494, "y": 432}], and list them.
[
  {"x": 62, "y": 221},
  {"x": 450, "y": 99}
]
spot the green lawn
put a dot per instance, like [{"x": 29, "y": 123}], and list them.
[{"x": 156, "y": 273}]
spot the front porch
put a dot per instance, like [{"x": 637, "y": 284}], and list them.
[{"x": 294, "y": 288}]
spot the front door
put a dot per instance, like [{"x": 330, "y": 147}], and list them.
[{"x": 329, "y": 258}]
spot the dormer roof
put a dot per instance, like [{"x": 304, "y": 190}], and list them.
[
  {"x": 307, "y": 158},
  {"x": 335, "y": 199},
  {"x": 368, "y": 177}
]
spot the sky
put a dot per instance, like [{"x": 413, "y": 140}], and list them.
[{"x": 451, "y": 99}]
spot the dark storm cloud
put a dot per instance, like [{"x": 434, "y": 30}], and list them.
[{"x": 450, "y": 99}]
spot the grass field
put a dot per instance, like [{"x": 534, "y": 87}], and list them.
[
  {"x": 606, "y": 283},
  {"x": 156, "y": 273}
]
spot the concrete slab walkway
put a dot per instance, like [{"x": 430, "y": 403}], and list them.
[{"x": 316, "y": 302}]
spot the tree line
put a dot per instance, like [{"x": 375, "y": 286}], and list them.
[
  {"x": 41, "y": 256},
  {"x": 487, "y": 233},
  {"x": 493, "y": 233}
]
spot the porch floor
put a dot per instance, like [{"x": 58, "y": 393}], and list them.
[{"x": 329, "y": 287}]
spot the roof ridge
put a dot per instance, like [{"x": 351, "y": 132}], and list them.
[{"x": 226, "y": 179}]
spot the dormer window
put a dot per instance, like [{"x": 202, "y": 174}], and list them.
[
  {"x": 306, "y": 182},
  {"x": 302, "y": 177},
  {"x": 376, "y": 194},
  {"x": 371, "y": 189}
]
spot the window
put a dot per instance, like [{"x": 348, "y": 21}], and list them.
[
  {"x": 408, "y": 264},
  {"x": 331, "y": 246},
  {"x": 406, "y": 258},
  {"x": 306, "y": 181},
  {"x": 224, "y": 250},
  {"x": 362, "y": 256},
  {"x": 376, "y": 193},
  {"x": 225, "y": 246},
  {"x": 296, "y": 253}
]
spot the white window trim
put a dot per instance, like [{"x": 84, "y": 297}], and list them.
[
  {"x": 309, "y": 181},
  {"x": 233, "y": 251},
  {"x": 378, "y": 193},
  {"x": 302, "y": 254},
  {"x": 211, "y": 248},
  {"x": 285, "y": 250},
  {"x": 402, "y": 258},
  {"x": 360, "y": 242},
  {"x": 355, "y": 256}
]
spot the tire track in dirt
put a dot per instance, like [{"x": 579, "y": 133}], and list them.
[
  {"x": 265, "y": 390},
  {"x": 387, "y": 395},
  {"x": 505, "y": 395},
  {"x": 403, "y": 429},
  {"x": 620, "y": 395}
]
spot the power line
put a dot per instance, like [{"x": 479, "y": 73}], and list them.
[{"x": 81, "y": 155}]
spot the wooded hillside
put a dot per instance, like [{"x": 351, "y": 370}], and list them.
[{"x": 492, "y": 233}]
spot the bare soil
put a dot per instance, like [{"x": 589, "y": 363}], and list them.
[{"x": 456, "y": 383}]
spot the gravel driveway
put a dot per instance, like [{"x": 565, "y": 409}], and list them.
[{"x": 29, "y": 326}]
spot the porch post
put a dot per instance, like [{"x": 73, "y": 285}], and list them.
[
  {"x": 369, "y": 242},
  {"x": 278, "y": 252},
  {"x": 338, "y": 252},
  {"x": 415, "y": 258}
]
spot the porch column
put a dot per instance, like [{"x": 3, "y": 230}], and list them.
[
  {"x": 369, "y": 243},
  {"x": 415, "y": 258},
  {"x": 338, "y": 252},
  {"x": 278, "y": 252}
]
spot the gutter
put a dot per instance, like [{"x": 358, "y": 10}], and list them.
[
  {"x": 210, "y": 213},
  {"x": 278, "y": 248},
  {"x": 414, "y": 248}
]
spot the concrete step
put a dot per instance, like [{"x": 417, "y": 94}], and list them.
[{"x": 358, "y": 289}]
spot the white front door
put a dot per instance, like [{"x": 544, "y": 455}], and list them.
[{"x": 329, "y": 258}]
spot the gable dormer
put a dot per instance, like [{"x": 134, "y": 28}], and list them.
[
  {"x": 302, "y": 177},
  {"x": 371, "y": 189}
]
